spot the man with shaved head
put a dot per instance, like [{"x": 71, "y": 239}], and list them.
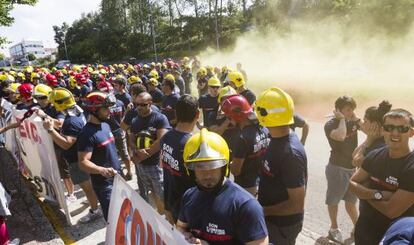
[{"x": 147, "y": 128}]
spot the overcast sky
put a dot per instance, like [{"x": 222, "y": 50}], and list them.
[{"x": 35, "y": 22}]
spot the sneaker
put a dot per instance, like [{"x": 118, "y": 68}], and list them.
[
  {"x": 335, "y": 235},
  {"x": 91, "y": 216},
  {"x": 15, "y": 241},
  {"x": 71, "y": 198}
]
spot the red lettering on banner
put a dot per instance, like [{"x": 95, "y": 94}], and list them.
[
  {"x": 140, "y": 234},
  {"x": 29, "y": 130}
]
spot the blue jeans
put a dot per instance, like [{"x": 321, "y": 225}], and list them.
[{"x": 103, "y": 193}]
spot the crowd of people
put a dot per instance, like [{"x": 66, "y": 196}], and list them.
[{"x": 223, "y": 165}]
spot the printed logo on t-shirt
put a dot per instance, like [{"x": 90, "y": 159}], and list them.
[
  {"x": 390, "y": 183},
  {"x": 214, "y": 229},
  {"x": 260, "y": 147},
  {"x": 392, "y": 180},
  {"x": 168, "y": 161}
]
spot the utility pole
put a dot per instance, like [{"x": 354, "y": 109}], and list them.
[{"x": 153, "y": 33}]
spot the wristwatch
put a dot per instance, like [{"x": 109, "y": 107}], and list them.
[{"x": 378, "y": 195}]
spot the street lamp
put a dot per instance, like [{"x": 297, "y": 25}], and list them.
[{"x": 64, "y": 43}]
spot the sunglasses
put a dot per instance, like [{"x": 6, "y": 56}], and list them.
[
  {"x": 214, "y": 87},
  {"x": 142, "y": 105},
  {"x": 61, "y": 101},
  {"x": 401, "y": 129}
]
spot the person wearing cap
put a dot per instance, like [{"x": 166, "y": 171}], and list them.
[
  {"x": 284, "y": 173},
  {"x": 96, "y": 147},
  {"x": 249, "y": 144},
  {"x": 176, "y": 180},
  {"x": 209, "y": 102},
  {"x": 155, "y": 92},
  {"x": 216, "y": 210},
  {"x": 67, "y": 139}
]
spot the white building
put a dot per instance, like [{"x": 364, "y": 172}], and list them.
[{"x": 25, "y": 47}]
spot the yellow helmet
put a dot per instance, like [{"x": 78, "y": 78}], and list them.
[
  {"x": 90, "y": 69},
  {"x": 153, "y": 82},
  {"x": 214, "y": 82},
  {"x": 10, "y": 78},
  {"x": 134, "y": 79},
  {"x": 73, "y": 83},
  {"x": 102, "y": 71},
  {"x": 62, "y": 99},
  {"x": 202, "y": 72},
  {"x": 76, "y": 68},
  {"x": 224, "y": 92},
  {"x": 144, "y": 140},
  {"x": 206, "y": 150},
  {"x": 34, "y": 75},
  {"x": 169, "y": 77},
  {"x": 13, "y": 73},
  {"x": 29, "y": 69},
  {"x": 64, "y": 71},
  {"x": 41, "y": 90},
  {"x": 13, "y": 87},
  {"x": 3, "y": 77},
  {"x": 236, "y": 78},
  {"x": 21, "y": 75},
  {"x": 274, "y": 107},
  {"x": 153, "y": 74}
]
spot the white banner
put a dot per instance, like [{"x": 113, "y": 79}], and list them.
[
  {"x": 132, "y": 221},
  {"x": 37, "y": 153}
]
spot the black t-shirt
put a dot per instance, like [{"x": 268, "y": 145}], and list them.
[
  {"x": 387, "y": 174},
  {"x": 341, "y": 151},
  {"x": 252, "y": 143},
  {"x": 168, "y": 105},
  {"x": 125, "y": 98},
  {"x": 378, "y": 143},
  {"x": 176, "y": 179},
  {"x": 249, "y": 96},
  {"x": 284, "y": 167},
  {"x": 72, "y": 126},
  {"x": 209, "y": 105}
]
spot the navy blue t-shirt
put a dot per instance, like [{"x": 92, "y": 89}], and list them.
[
  {"x": 252, "y": 143},
  {"x": 72, "y": 126},
  {"x": 131, "y": 114},
  {"x": 341, "y": 151},
  {"x": 51, "y": 111},
  {"x": 98, "y": 139},
  {"x": 400, "y": 232},
  {"x": 209, "y": 105},
  {"x": 387, "y": 174},
  {"x": 23, "y": 106},
  {"x": 176, "y": 179},
  {"x": 156, "y": 95},
  {"x": 232, "y": 216},
  {"x": 284, "y": 167},
  {"x": 117, "y": 112},
  {"x": 150, "y": 123},
  {"x": 249, "y": 96},
  {"x": 125, "y": 98},
  {"x": 168, "y": 105}
]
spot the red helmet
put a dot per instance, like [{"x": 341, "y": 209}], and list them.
[
  {"x": 236, "y": 107},
  {"x": 96, "y": 100},
  {"x": 170, "y": 63},
  {"x": 105, "y": 86},
  {"x": 81, "y": 79},
  {"x": 25, "y": 90},
  {"x": 51, "y": 80},
  {"x": 58, "y": 74}
]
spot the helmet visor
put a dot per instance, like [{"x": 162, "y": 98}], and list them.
[{"x": 207, "y": 165}]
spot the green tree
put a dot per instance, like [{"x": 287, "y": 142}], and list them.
[
  {"x": 31, "y": 57},
  {"x": 5, "y": 7}
]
